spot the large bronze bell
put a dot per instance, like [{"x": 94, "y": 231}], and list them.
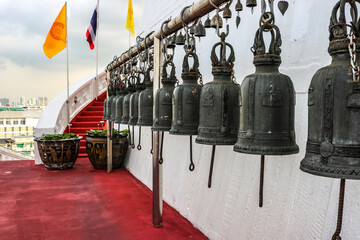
[
  {"x": 145, "y": 117},
  {"x": 118, "y": 93},
  {"x": 134, "y": 99},
  {"x": 333, "y": 144},
  {"x": 186, "y": 97},
  {"x": 119, "y": 101},
  {"x": 219, "y": 101},
  {"x": 130, "y": 87},
  {"x": 108, "y": 101},
  {"x": 163, "y": 99},
  {"x": 268, "y": 103}
]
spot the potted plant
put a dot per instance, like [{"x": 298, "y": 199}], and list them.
[
  {"x": 58, "y": 151},
  {"x": 96, "y": 148}
]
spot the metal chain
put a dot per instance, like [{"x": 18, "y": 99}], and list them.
[{"x": 352, "y": 50}]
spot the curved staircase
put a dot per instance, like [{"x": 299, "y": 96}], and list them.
[{"x": 89, "y": 118}]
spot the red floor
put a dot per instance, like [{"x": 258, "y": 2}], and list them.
[{"x": 81, "y": 203}]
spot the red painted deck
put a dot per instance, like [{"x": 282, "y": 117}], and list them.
[{"x": 81, "y": 203}]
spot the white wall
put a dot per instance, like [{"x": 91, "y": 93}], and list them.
[{"x": 296, "y": 205}]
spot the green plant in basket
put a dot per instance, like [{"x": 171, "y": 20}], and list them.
[
  {"x": 101, "y": 132},
  {"x": 57, "y": 136}
]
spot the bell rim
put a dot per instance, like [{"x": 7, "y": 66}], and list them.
[
  {"x": 182, "y": 132},
  {"x": 308, "y": 166},
  {"x": 279, "y": 150},
  {"x": 207, "y": 142}
]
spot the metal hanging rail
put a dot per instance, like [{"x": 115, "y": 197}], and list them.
[{"x": 197, "y": 10}]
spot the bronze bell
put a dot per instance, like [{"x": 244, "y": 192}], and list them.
[
  {"x": 219, "y": 102},
  {"x": 251, "y": 3},
  {"x": 207, "y": 23},
  {"x": 171, "y": 41},
  {"x": 113, "y": 104},
  {"x": 333, "y": 143},
  {"x": 163, "y": 99},
  {"x": 146, "y": 102},
  {"x": 130, "y": 87},
  {"x": 238, "y": 6},
  {"x": 119, "y": 101},
  {"x": 180, "y": 39},
  {"x": 134, "y": 99},
  {"x": 227, "y": 12},
  {"x": 186, "y": 97},
  {"x": 268, "y": 104},
  {"x": 216, "y": 20},
  {"x": 108, "y": 101},
  {"x": 200, "y": 30}
]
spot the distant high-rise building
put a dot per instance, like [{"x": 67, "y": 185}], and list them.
[
  {"x": 33, "y": 101},
  {"x": 45, "y": 101},
  {"x": 4, "y": 102},
  {"x": 41, "y": 101},
  {"x": 22, "y": 101}
]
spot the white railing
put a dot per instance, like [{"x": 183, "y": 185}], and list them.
[{"x": 54, "y": 117}]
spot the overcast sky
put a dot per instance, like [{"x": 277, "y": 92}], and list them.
[{"x": 24, "y": 68}]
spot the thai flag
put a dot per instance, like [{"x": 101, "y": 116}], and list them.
[{"x": 91, "y": 31}]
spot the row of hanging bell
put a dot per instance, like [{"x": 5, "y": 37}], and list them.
[
  {"x": 333, "y": 144},
  {"x": 267, "y": 103}
]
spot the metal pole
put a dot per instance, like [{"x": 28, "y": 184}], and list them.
[
  {"x": 197, "y": 10},
  {"x": 97, "y": 51},
  {"x": 67, "y": 68},
  {"x": 108, "y": 140},
  {"x": 157, "y": 173}
]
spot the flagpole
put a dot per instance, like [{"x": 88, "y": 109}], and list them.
[
  {"x": 67, "y": 66},
  {"x": 97, "y": 53}
]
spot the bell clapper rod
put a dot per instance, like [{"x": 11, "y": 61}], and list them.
[
  {"x": 133, "y": 137},
  {"x": 261, "y": 189},
  {"x": 139, "y": 144},
  {"x": 211, "y": 165},
  {"x": 152, "y": 143},
  {"x": 192, "y": 165},
  {"x": 161, "y": 160},
  {"x": 336, "y": 235}
]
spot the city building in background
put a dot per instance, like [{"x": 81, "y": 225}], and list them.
[
  {"x": 4, "y": 102},
  {"x": 17, "y": 130}
]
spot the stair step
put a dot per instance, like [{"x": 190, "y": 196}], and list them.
[
  {"x": 94, "y": 124},
  {"x": 95, "y": 108},
  {"x": 79, "y": 130},
  {"x": 98, "y": 104},
  {"x": 92, "y": 113},
  {"x": 88, "y": 118},
  {"x": 82, "y": 155}
]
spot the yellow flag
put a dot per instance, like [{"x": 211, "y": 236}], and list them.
[
  {"x": 56, "y": 39},
  {"x": 130, "y": 19}
]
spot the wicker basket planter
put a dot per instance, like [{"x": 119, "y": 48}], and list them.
[
  {"x": 96, "y": 148},
  {"x": 59, "y": 154}
]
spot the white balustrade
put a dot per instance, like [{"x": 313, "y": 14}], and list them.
[{"x": 54, "y": 118}]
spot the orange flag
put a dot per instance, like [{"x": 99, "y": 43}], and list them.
[{"x": 56, "y": 39}]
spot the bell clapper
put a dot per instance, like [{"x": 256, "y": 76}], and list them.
[
  {"x": 152, "y": 143},
  {"x": 336, "y": 235},
  {"x": 261, "y": 189},
  {"x": 192, "y": 165},
  {"x": 161, "y": 160},
  {"x": 139, "y": 144},
  {"x": 211, "y": 165},
  {"x": 129, "y": 135},
  {"x": 133, "y": 138}
]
